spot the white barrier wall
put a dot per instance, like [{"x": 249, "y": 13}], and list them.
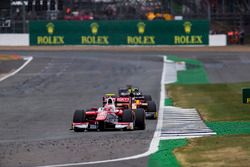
[
  {"x": 14, "y": 40},
  {"x": 217, "y": 40}
]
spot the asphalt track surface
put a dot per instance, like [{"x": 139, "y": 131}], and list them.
[
  {"x": 223, "y": 67},
  {"x": 37, "y": 104}
]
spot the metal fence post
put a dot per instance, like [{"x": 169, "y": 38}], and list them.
[{"x": 23, "y": 16}]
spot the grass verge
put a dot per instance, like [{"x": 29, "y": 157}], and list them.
[
  {"x": 168, "y": 102},
  {"x": 216, "y": 151},
  {"x": 230, "y": 128},
  {"x": 164, "y": 156},
  {"x": 215, "y": 102},
  {"x": 222, "y": 108},
  {"x": 194, "y": 73}
]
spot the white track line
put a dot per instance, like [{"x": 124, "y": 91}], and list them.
[
  {"x": 154, "y": 142},
  {"x": 28, "y": 60}
]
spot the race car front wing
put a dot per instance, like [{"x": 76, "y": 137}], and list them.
[{"x": 94, "y": 125}]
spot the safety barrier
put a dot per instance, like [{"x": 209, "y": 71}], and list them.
[
  {"x": 23, "y": 40},
  {"x": 217, "y": 40},
  {"x": 14, "y": 39},
  {"x": 134, "y": 32}
]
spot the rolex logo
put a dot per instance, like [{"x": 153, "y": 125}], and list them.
[
  {"x": 50, "y": 28},
  {"x": 94, "y": 28},
  {"x": 141, "y": 27},
  {"x": 187, "y": 27}
]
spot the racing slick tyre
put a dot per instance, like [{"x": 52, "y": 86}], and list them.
[
  {"x": 101, "y": 126},
  {"x": 151, "y": 106},
  {"x": 79, "y": 116},
  {"x": 127, "y": 116},
  {"x": 140, "y": 118},
  {"x": 152, "y": 109},
  {"x": 147, "y": 97}
]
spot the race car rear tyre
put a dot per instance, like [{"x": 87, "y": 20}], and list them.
[
  {"x": 147, "y": 97},
  {"x": 151, "y": 106},
  {"x": 127, "y": 116},
  {"x": 79, "y": 116},
  {"x": 140, "y": 118}
]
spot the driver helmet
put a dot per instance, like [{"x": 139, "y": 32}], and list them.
[{"x": 110, "y": 101}]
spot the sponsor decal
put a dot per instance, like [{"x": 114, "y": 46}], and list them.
[
  {"x": 140, "y": 32},
  {"x": 141, "y": 27},
  {"x": 50, "y": 28},
  {"x": 94, "y": 28},
  {"x": 141, "y": 39},
  {"x": 50, "y": 39},
  {"x": 92, "y": 126},
  {"x": 94, "y": 39},
  {"x": 188, "y": 39},
  {"x": 122, "y": 99},
  {"x": 187, "y": 27}
]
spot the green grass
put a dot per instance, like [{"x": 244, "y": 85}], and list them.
[
  {"x": 164, "y": 156},
  {"x": 233, "y": 150},
  {"x": 229, "y": 128},
  {"x": 220, "y": 105},
  {"x": 168, "y": 102},
  {"x": 194, "y": 73},
  {"x": 222, "y": 108},
  {"x": 215, "y": 102}
]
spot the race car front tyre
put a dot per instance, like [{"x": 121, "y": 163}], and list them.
[
  {"x": 127, "y": 116},
  {"x": 101, "y": 126},
  {"x": 151, "y": 106},
  {"x": 147, "y": 97},
  {"x": 79, "y": 116},
  {"x": 140, "y": 118}
]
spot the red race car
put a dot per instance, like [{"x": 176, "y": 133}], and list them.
[{"x": 108, "y": 117}]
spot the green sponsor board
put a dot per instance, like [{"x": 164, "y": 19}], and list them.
[
  {"x": 246, "y": 95},
  {"x": 136, "y": 32}
]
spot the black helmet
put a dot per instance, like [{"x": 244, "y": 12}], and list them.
[{"x": 110, "y": 101}]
